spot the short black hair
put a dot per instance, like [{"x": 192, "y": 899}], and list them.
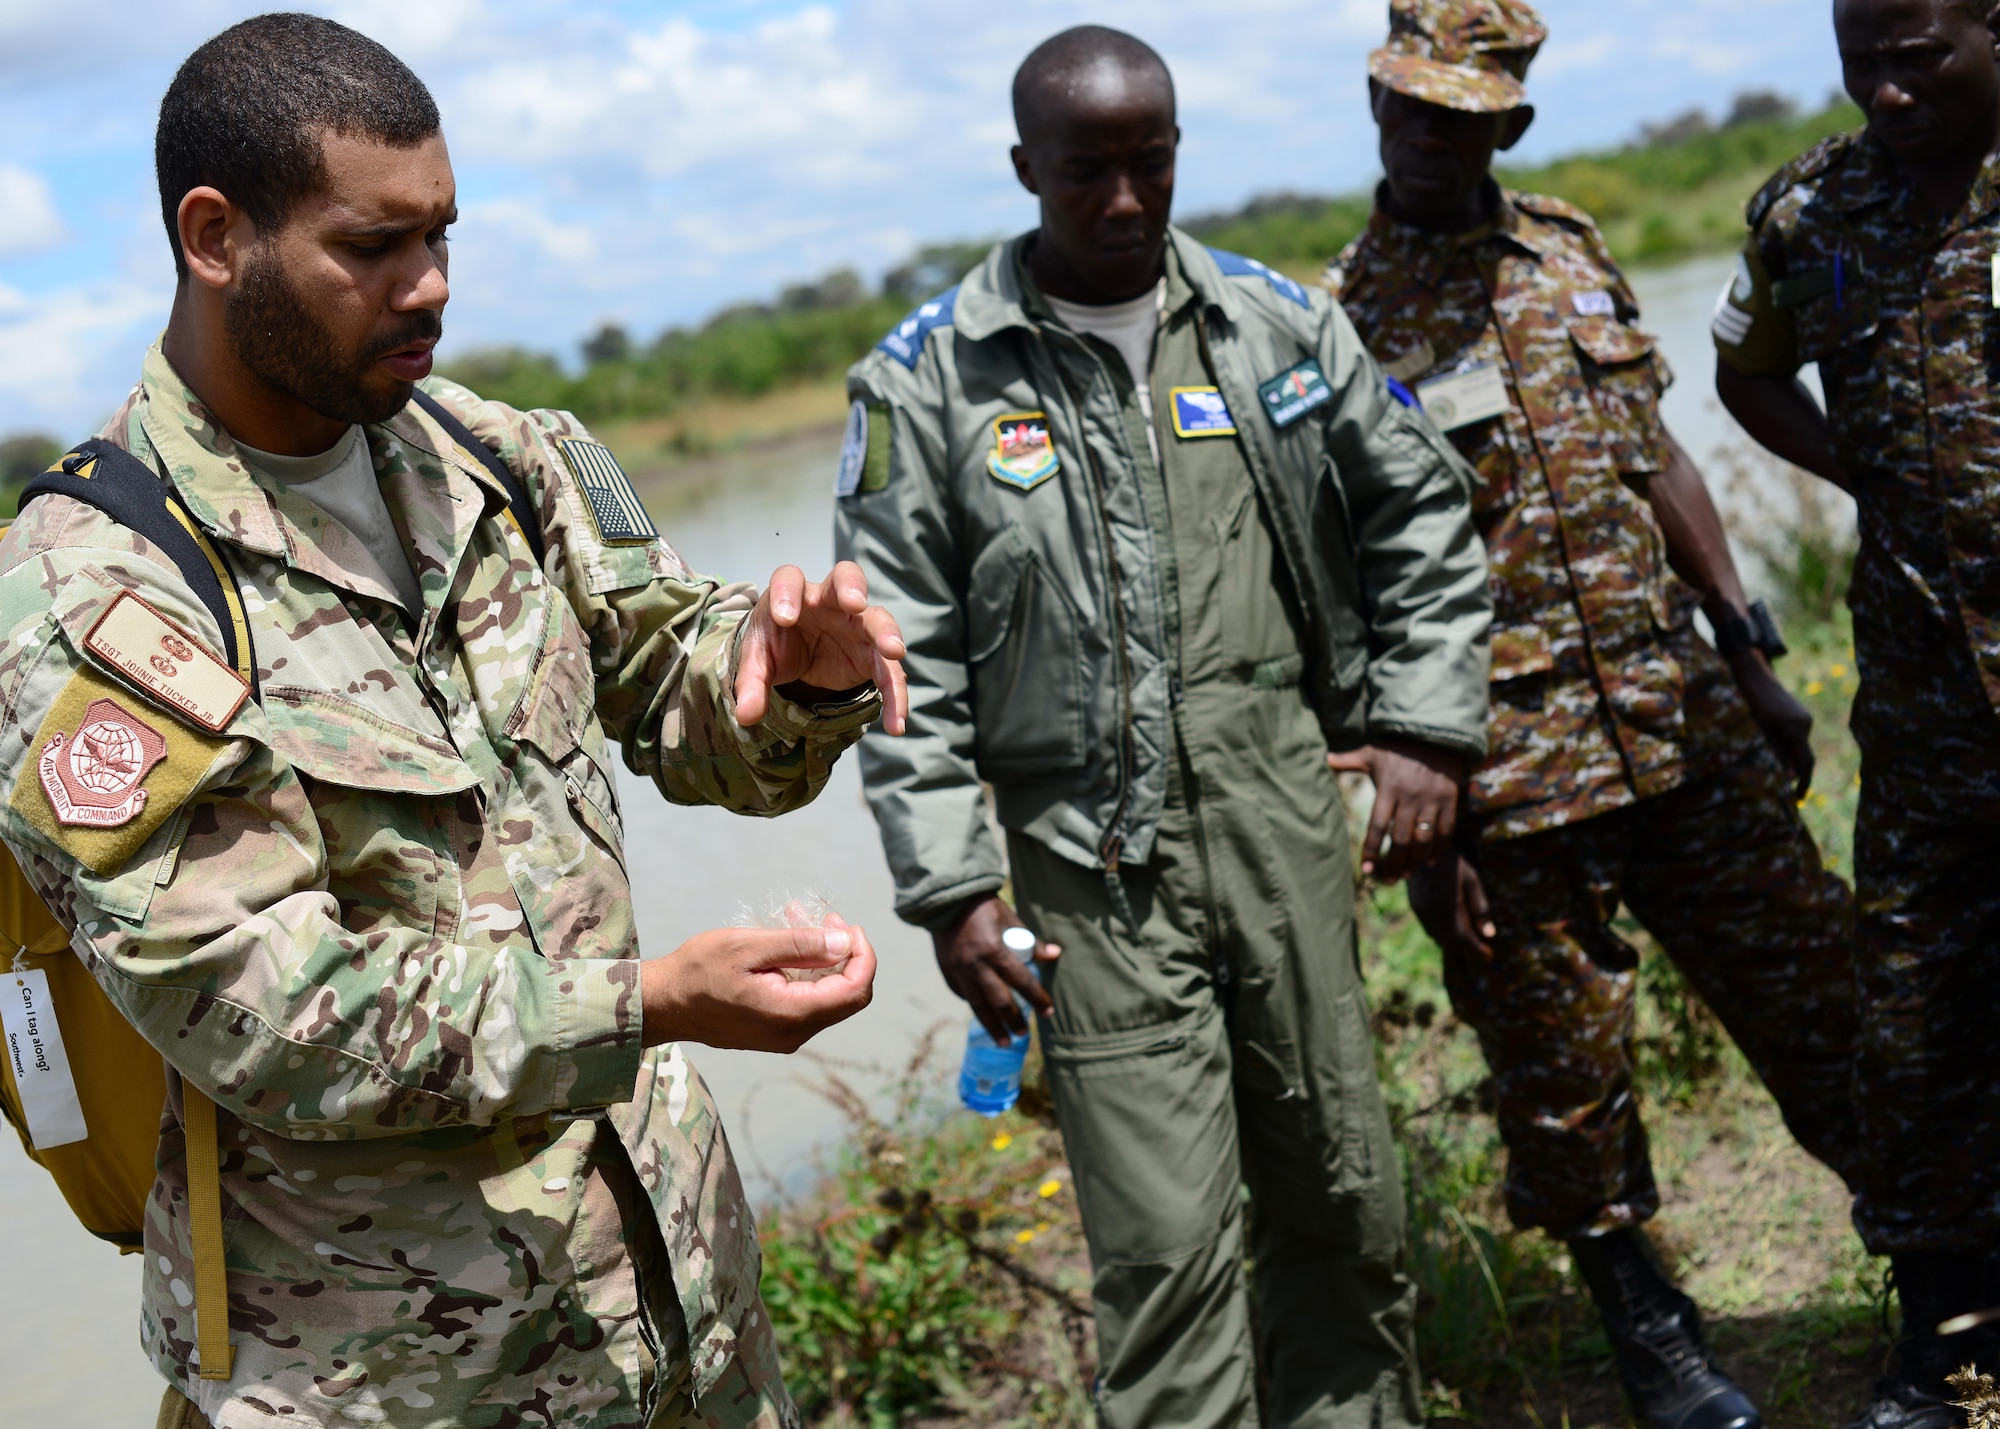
[
  {"x": 247, "y": 111},
  {"x": 1052, "y": 68}
]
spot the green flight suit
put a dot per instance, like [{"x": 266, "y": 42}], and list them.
[
  {"x": 1227, "y": 1040},
  {"x": 1121, "y": 650}
]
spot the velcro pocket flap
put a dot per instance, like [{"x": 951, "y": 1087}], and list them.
[
  {"x": 340, "y": 741},
  {"x": 1609, "y": 342}
]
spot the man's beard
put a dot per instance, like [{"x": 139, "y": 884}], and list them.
[{"x": 276, "y": 335}]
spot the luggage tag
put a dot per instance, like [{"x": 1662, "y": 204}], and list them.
[
  {"x": 1461, "y": 398},
  {"x": 41, "y": 1066}
]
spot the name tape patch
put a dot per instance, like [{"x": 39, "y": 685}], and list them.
[
  {"x": 620, "y": 516},
  {"x": 1596, "y": 303},
  {"x": 167, "y": 663},
  {"x": 1201, "y": 412},
  {"x": 1462, "y": 398},
  {"x": 1295, "y": 392},
  {"x": 1024, "y": 454}
]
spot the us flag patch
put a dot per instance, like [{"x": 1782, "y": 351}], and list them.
[{"x": 614, "y": 505}]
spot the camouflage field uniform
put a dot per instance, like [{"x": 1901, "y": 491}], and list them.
[
  {"x": 1846, "y": 267},
  {"x": 384, "y": 922},
  {"x": 1624, "y": 766}
]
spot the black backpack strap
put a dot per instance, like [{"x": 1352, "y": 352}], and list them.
[
  {"x": 519, "y": 503},
  {"x": 106, "y": 476}
]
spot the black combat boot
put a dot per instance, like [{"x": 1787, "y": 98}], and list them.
[
  {"x": 1656, "y": 1330},
  {"x": 1932, "y": 1287}
]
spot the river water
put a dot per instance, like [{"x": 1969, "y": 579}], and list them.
[{"x": 69, "y": 1323}]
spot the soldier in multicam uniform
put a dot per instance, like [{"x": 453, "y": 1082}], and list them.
[
  {"x": 376, "y": 908},
  {"x": 1873, "y": 255},
  {"x": 1626, "y": 765}
]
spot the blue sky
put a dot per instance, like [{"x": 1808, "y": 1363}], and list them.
[{"x": 650, "y": 161}]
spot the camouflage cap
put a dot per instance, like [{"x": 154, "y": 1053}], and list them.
[{"x": 1462, "y": 54}]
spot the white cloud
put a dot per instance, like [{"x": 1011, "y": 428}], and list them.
[
  {"x": 1582, "y": 52},
  {"x": 28, "y": 218},
  {"x": 67, "y": 356}
]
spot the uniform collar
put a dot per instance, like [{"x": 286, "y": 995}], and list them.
[
  {"x": 999, "y": 294},
  {"x": 1425, "y": 256},
  {"x": 253, "y": 512}
]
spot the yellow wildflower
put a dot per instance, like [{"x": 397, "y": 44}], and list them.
[
  {"x": 1023, "y": 1237},
  {"x": 1002, "y": 1141},
  {"x": 1050, "y": 1188},
  {"x": 1837, "y": 672},
  {"x": 1814, "y": 687}
]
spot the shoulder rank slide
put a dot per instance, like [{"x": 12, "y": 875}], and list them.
[
  {"x": 166, "y": 663},
  {"x": 615, "y": 507},
  {"x": 1201, "y": 412},
  {"x": 1235, "y": 265},
  {"x": 905, "y": 341},
  {"x": 1024, "y": 454},
  {"x": 1294, "y": 392}
]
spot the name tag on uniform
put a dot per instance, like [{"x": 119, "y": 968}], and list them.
[
  {"x": 1463, "y": 398},
  {"x": 1201, "y": 412},
  {"x": 1291, "y": 394},
  {"x": 40, "y": 1065},
  {"x": 1594, "y": 304}
]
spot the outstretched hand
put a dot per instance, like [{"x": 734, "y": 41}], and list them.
[
  {"x": 728, "y": 988},
  {"x": 823, "y": 634},
  {"x": 1416, "y": 803}
]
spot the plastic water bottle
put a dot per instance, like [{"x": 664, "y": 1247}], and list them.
[{"x": 989, "y": 1082}]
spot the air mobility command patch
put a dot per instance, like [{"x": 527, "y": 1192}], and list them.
[
  {"x": 1291, "y": 394},
  {"x": 1201, "y": 412},
  {"x": 1023, "y": 454},
  {"x": 864, "y": 451},
  {"x": 614, "y": 505},
  {"x": 102, "y": 778}
]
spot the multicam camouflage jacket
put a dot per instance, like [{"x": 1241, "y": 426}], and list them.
[
  {"x": 381, "y": 914},
  {"x": 1849, "y": 268},
  {"x": 1602, "y": 692}
]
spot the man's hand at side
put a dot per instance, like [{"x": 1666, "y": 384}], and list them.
[
  {"x": 1450, "y": 901},
  {"x": 981, "y": 969},
  {"x": 822, "y": 634},
  {"x": 1416, "y": 803},
  {"x": 1786, "y": 723},
  {"x": 727, "y": 987}
]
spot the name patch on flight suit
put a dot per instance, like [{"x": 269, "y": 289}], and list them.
[
  {"x": 1023, "y": 455},
  {"x": 100, "y": 779},
  {"x": 615, "y": 507},
  {"x": 1201, "y": 412},
  {"x": 1295, "y": 392}
]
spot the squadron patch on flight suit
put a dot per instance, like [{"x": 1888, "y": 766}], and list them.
[
  {"x": 100, "y": 780},
  {"x": 1201, "y": 412},
  {"x": 1023, "y": 455},
  {"x": 620, "y": 516},
  {"x": 864, "y": 450},
  {"x": 1294, "y": 392}
]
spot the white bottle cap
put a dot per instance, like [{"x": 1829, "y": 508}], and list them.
[{"x": 1018, "y": 940}]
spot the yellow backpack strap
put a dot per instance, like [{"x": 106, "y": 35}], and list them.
[
  {"x": 211, "y": 1267},
  {"x": 102, "y": 474}
]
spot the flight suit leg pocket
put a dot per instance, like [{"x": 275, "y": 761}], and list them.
[{"x": 1150, "y": 1128}]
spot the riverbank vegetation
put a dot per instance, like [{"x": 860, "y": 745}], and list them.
[
  {"x": 1675, "y": 192},
  {"x": 938, "y": 1274}
]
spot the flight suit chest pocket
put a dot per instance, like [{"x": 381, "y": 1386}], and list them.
[
  {"x": 1625, "y": 376},
  {"x": 1024, "y": 648}
]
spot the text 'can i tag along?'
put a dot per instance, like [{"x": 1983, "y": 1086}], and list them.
[{"x": 39, "y": 1061}]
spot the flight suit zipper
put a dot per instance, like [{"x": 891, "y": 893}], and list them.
[{"x": 1113, "y": 845}]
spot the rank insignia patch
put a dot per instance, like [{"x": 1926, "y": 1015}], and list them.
[
  {"x": 1201, "y": 412},
  {"x": 1290, "y": 395},
  {"x": 94, "y": 776},
  {"x": 1023, "y": 454},
  {"x": 614, "y": 505}
]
